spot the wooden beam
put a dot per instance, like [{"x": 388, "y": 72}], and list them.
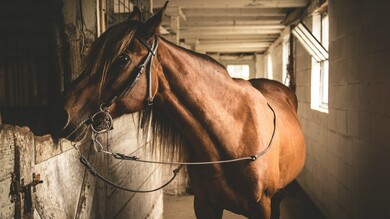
[
  {"x": 233, "y": 12},
  {"x": 221, "y": 33},
  {"x": 236, "y": 28},
  {"x": 218, "y": 21},
  {"x": 232, "y": 46},
  {"x": 236, "y": 41},
  {"x": 272, "y": 37},
  {"x": 231, "y": 49},
  {"x": 174, "y": 12},
  {"x": 233, "y": 3}
]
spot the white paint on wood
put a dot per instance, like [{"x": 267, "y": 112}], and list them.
[{"x": 68, "y": 190}]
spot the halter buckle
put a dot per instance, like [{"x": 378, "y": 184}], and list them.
[
  {"x": 150, "y": 101},
  {"x": 101, "y": 121}
]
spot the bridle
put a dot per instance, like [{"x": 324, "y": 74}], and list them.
[
  {"x": 129, "y": 85},
  {"x": 106, "y": 124}
]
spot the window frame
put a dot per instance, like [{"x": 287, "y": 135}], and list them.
[{"x": 320, "y": 69}]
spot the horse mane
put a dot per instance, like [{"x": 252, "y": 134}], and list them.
[
  {"x": 166, "y": 140},
  {"x": 204, "y": 57}
]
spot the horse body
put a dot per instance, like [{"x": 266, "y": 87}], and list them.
[
  {"x": 218, "y": 119},
  {"x": 223, "y": 120}
]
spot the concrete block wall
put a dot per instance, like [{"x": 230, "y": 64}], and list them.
[{"x": 346, "y": 172}]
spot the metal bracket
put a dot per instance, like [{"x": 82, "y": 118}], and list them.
[{"x": 25, "y": 190}]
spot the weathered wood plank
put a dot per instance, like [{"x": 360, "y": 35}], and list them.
[
  {"x": 46, "y": 148},
  {"x": 24, "y": 143},
  {"x": 59, "y": 194},
  {"x": 7, "y": 160},
  {"x": 68, "y": 190}
]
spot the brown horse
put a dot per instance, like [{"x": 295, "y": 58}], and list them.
[{"x": 199, "y": 112}]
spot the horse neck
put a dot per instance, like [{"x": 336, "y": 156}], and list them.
[{"x": 201, "y": 99}]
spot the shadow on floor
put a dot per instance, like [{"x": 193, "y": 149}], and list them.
[{"x": 295, "y": 205}]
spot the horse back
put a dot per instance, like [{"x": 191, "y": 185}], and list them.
[
  {"x": 290, "y": 136},
  {"x": 276, "y": 90}
]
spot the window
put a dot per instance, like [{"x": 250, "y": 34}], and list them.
[
  {"x": 111, "y": 12},
  {"x": 320, "y": 68},
  {"x": 239, "y": 71},
  {"x": 286, "y": 52},
  {"x": 269, "y": 67}
]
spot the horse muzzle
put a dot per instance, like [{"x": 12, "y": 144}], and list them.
[{"x": 62, "y": 127}]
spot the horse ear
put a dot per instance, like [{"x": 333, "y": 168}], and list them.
[
  {"x": 152, "y": 26},
  {"x": 135, "y": 15}
]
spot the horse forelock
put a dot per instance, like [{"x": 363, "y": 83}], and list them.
[
  {"x": 107, "y": 49},
  {"x": 166, "y": 139}
]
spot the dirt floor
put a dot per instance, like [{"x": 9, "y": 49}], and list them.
[{"x": 295, "y": 205}]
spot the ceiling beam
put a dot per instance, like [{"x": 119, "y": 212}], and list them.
[
  {"x": 218, "y": 21},
  {"x": 232, "y": 3},
  {"x": 231, "y": 30},
  {"x": 236, "y": 28},
  {"x": 236, "y": 46},
  {"x": 224, "y": 49},
  {"x": 233, "y": 12},
  {"x": 238, "y": 41},
  {"x": 265, "y": 37}
]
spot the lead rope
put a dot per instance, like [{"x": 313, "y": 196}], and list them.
[
  {"x": 120, "y": 156},
  {"x": 107, "y": 123},
  {"x": 99, "y": 147}
]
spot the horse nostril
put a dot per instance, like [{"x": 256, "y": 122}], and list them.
[{"x": 59, "y": 120}]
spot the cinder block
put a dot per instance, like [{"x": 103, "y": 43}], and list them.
[
  {"x": 332, "y": 165},
  {"x": 338, "y": 72},
  {"x": 366, "y": 126},
  {"x": 341, "y": 121},
  {"x": 381, "y": 131},
  {"x": 345, "y": 176},
  {"x": 332, "y": 119},
  {"x": 353, "y": 123},
  {"x": 340, "y": 96}
]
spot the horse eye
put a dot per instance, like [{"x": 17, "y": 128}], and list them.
[{"x": 123, "y": 60}]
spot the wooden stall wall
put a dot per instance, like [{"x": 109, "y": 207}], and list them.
[{"x": 68, "y": 190}]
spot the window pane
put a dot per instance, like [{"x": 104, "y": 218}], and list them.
[
  {"x": 320, "y": 70},
  {"x": 285, "y": 76},
  {"x": 238, "y": 71},
  {"x": 325, "y": 31},
  {"x": 270, "y": 73},
  {"x": 324, "y": 82}
]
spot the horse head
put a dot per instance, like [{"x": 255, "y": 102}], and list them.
[{"x": 114, "y": 79}]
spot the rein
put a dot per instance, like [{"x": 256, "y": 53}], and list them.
[
  {"x": 254, "y": 157},
  {"x": 106, "y": 124}
]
